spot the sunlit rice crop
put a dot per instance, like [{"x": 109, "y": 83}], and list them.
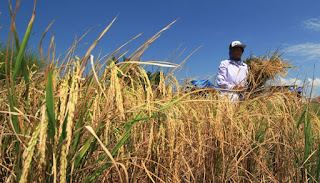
[{"x": 114, "y": 124}]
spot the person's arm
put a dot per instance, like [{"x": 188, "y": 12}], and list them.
[{"x": 222, "y": 79}]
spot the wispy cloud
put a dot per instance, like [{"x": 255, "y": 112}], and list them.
[
  {"x": 308, "y": 50},
  {"x": 312, "y": 24},
  {"x": 291, "y": 81},
  {"x": 316, "y": 82}
]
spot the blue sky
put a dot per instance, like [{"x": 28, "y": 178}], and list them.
[{"x": 291, "y": 25}]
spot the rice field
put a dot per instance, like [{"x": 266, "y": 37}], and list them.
[{"x": 114, "y": 124}]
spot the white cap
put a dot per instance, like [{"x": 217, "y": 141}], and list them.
[{"x": 237, "y": 44}]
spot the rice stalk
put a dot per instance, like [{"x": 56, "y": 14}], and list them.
[
  {"x": 162, "y": 85},
  {"x": 114, "y": 90},
  {"x": 10, "y": 86},
  {"x": 63, "y": 164},
  {"x": 148, "y": 89},
  {"x": 154, "y": 133},
  {"x": 63, "y": 95},
  {"x": 308, "y": 141},
  {"x": 171, "y": 136},
  {"x": 107, "y": 152},
  {"x": 71, "y": 105},
  {"x": 96, "y": 76},
  {"x": 148, "y": 172},
  {"x": 73, "y": 101},
  {"x": 28, "y": 154},
  {"x": 107, "y": 130},
  {"x": 151, "y": 140},
  {"x": 263, "y": 69},
  {"x": 42, "y": 141},
  {"x": 127, "y": 134}
]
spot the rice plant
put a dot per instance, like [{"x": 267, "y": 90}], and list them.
[{"x": 113, "y": 124}]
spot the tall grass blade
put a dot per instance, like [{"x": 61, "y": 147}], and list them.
[
  {"x": 17, "y": 43},
  {"x": 300, "y": 119},
  {"x": 50, "y": 105},
  {"x": 12, "y": 98},
  {"x": 82, "y": 151},
  {"x": 64, "y": 127},
  {"x": 21, "y": 51},
  {"x": 13, "y": 15}
]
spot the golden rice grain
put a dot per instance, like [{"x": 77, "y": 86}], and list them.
[
  {"x": 114, "y": 91},
  {"x": 28, "y": 154},
  {"x": 43, "y": 137}
]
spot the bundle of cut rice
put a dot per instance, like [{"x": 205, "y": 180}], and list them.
[{"x": 263, "y": 69}]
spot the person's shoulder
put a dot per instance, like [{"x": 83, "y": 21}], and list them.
[{"x": 225, "y": 62}]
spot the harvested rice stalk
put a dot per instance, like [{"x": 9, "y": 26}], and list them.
[{"x": 263, "y": 69}]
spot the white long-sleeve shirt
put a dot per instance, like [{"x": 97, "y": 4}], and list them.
[{"x": 232, "y": 73}]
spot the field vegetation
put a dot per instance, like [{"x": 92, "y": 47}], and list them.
[{"x": 116, "y": 123}]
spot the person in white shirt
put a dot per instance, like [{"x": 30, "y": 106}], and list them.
[{"x": 233, "y": 72}]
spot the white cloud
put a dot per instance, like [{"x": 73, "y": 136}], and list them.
[
  {"x": 299, "y": 82},
  {"x": 312, "y": 24},
  {"x": 291, "y": 81},
  {"x": 308, "y": 50},
  {"x": 316, "y": 82}
]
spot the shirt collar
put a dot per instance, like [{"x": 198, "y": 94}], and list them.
[{"x": 237, "y": 62}]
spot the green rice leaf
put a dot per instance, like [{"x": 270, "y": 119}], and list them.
[
  {"x": 50, "y": 105},
  {"x": 18, "y": 63},
  {"x": 64, "y": 126},
  {"x": 300, "y": 119},
  {"x": 125, "y": 137},
  {"x": 173, "y": 102},
  {"x": 83, "y": 150}
]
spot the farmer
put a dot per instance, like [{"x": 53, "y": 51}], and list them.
[{"x": 233, "y": 72}]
